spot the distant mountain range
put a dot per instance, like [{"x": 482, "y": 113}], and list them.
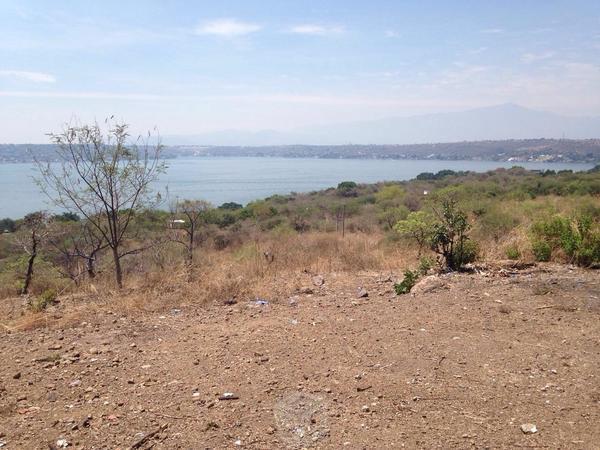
[{"x": 508, "y": 121}]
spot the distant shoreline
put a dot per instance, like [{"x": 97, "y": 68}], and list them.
[
  {"x": 517, "y": 150},
  {"x": 356, "y": 158}
]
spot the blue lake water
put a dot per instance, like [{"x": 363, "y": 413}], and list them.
[{"x": 243, "y": 179}]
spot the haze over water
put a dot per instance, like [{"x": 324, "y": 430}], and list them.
[{"x": 243, "y": 179}]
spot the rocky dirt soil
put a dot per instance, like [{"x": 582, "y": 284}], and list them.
[{"x": 500, "y": 359}]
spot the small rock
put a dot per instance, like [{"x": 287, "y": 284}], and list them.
[
  {"x": 62, "y": 443},
  {"x": 362, "y": 293},
  {"x": 55, "y": 347},
  {"x": 94, "y": 351},
  {"x": 428, "y": 284},
  {"x": 306, "y": 290},
  {"x": 17, "y": 376},
  {"x": 365, "y": 408},
  {"x": 52, "y": 396},
  {"x": 529, "y": 428},
  {"x": 318, "y": 280},
  {"x": 228, "y": 396}
]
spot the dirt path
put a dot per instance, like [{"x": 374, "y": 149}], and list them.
[{"x": 462, "y": 366}]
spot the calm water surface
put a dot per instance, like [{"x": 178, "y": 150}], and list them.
[{"x": 242, "y": 179}]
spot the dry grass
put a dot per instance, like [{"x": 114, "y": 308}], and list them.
[
  {"x": 240, "y": 273},
  {"x": 159, "y": 280}
]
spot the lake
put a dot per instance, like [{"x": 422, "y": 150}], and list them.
[{"x": 243, "y": 179}]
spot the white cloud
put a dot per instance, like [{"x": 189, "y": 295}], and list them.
[
  {"x": 84, "y": 95},
  {"x": 316, "y": 30},
  {"x": 227, "y": 28},
  {"x": 35, "y": 77},
  {"x": 392, "y": 34},
  {"x": 533, "y": 57},
  {"x": 492, "y": 31}
]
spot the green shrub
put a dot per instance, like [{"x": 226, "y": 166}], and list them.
[
  {"x": 589, "y": 253},
  {"x": 512, "y": 252},
  {"x": 465, "y": 253},
  {"x": 541, "y": 250},
  {"x": 347, "y": 189},
  {"x": 445, "y": 232},
  {"x": 45, "y": 299},
  {"x": 425, "y": 264},
  {"x": 578, "y": 238},
  {"x": 449, "y": 236},
  {"x": 410, "y": 279}
]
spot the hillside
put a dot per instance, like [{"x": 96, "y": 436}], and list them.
[{"x": 464, "y": 362}]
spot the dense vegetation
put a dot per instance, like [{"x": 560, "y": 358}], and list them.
[{"x": 454, "y": 217}]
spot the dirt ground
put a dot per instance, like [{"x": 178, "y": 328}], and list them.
[{"x": 464, "y": 363}]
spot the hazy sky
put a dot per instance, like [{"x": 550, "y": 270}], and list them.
[{"x": 194, "y": 66}]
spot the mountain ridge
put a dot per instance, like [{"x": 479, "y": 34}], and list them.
[{"x": 496, "y": 122}]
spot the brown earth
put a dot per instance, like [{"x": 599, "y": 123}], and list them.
[{"x": 462, "y": 364}]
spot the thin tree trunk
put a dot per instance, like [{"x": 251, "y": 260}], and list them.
[
  {"x": 191, "y": 254},
  {"x": 118, "y": 270},
  {"x": 32, "y": 256},
  {"x": 90, "y": 266}
]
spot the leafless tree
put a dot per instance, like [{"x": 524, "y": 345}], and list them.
[
  {"x": 106, "y": 177},
  {"x": 31, "y": 235},
  {"x": 186, "y": 219},
  {"x": 76, "y": 243}
]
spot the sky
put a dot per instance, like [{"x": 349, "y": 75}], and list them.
[{"x": 188, "y": 67}]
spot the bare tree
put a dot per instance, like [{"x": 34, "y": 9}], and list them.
[
  {"x": 106, "y": 177},
  {"x": 32, "y": 234},
  {"x": 76, "y": 243},
  {"x": 187, "y": 217}
]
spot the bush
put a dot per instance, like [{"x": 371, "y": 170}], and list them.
[
  {"x": 579, "y": 239},
  {"x": 541, "y": 251},
  {"x": 449, "y": 235},
  {"x": 347, "y": 189},
  {"x": 231, "y": 206},
  {"x": 465, "y": 253},
  {"x": 512, "y": 252},
  {"x": 45, "y": 299},
  {"x": 7, "y": 225},
  {"x": 410, "y": 279},
  {"x": 425, "y": 264},
  {"x": 221, "y": 242}
]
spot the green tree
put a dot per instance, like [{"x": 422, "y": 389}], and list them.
[
  {"x": 449, "y": 235},
  {"x": 445, "y": 231},
  {"x": 418, "y": 225}
]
